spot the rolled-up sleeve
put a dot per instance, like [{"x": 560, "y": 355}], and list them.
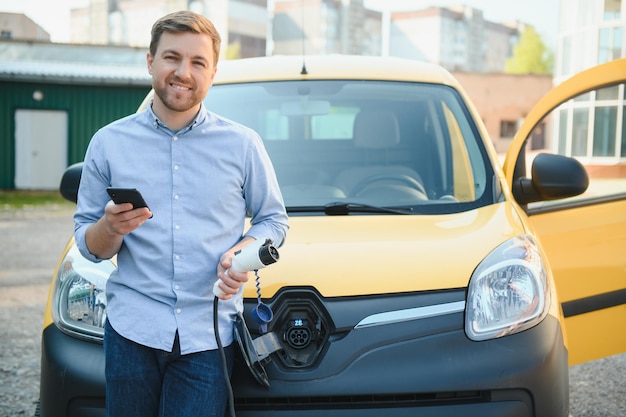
[
  {"x": 92, "y": 196},
  {"x": 263, "y": 197}
]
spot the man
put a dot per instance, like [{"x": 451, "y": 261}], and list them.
[{"x": 199, "y": 174}]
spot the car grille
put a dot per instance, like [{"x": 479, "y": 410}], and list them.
[{"x": 363, "y": 401}]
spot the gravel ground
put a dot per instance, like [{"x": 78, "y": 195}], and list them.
[{"x": 31, "y": 242}]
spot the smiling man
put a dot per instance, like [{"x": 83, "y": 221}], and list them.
[
  {"x": 200, "y": 174},
  {"x": 181, "y": 77}
]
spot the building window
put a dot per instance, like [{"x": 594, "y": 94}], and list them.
[
  {"x": 261, "y": 3},
  {"x": 612, "y": 9},
  {"x": 508, "y": 128},
  {"x": 608, "y": 93},
  {"x": 609, "y": 44},
  {"x": 623, "y": 144},
  {"x": 6, "y": 34},
  {"x": 589, "y": 126},
  {"x": 562, "y": 132},
  {"x": 580, "y": 129},
  {"x": 604, "y": 131},
  {"x": 566, "y": 59},
  {"x": 538, "y": 137}
]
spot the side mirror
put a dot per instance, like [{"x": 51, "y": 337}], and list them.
[
  {"x": 70, "y": 181},
  {"x": 552, "y": 177}
]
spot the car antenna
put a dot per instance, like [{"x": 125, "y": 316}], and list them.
[{"x": 303, "y": 71}]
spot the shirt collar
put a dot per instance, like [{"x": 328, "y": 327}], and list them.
[{"x": 197, "y": 121}]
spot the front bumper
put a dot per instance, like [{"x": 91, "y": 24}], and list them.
[
  {"x": 426, "y": 367},
  {"x": 72, "y": 376}
]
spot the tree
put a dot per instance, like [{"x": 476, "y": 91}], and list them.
[{"x": 530, "y": 55}]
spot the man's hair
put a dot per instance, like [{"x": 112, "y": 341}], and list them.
[{"x": 185, "y": 21}]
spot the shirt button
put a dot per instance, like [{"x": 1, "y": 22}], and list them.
[
  {"x": 176, "y": 197},
  {"x": 175, "y": 137},
  {"x": 177, "y": 227},
  {"x": 177, "y": 257},
  {"x": 177, "y": 287},
  {"x": 178, "y": 311},
  {"x": 175, "y": 167}
]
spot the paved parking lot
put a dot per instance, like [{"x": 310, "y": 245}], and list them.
[{"x": 31, "y": 242}]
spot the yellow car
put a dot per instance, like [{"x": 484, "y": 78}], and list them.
[{"x": 420, "y": 275}]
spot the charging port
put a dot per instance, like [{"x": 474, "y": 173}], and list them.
[
  {"x": 298, "y": 336},
  {"x": 300, "y": 325}
]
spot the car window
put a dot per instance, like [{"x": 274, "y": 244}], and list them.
[
  {"x": 591, "y": 128},
  {"x": 378, "y": 143}
]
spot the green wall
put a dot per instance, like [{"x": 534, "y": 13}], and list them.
[{"x": 89, "y": 107}]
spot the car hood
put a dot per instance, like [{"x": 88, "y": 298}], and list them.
[{"x": 364, "y": 255}]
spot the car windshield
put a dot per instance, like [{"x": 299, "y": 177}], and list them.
[{"x": 344, "y": 146}]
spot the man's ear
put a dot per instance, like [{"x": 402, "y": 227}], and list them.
[{"x": 149, "y": 60}]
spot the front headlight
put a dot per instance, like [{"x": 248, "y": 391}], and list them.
[
  {"x": 508, "y": 292},
  {"x": 79, "y": 302}
]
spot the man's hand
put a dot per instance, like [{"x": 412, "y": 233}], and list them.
[
  {"x": 122, "y": 219},
  {"x": 104, "y": 237},
  {"x": 231, "y": 280}
]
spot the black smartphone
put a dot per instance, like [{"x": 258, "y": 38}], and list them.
[{"x": 127, "y": 195}]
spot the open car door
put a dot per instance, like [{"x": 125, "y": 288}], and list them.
[{"x": 584, "y": 236}]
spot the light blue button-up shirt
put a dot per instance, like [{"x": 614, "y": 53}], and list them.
[{"x": 199, "y": 183}]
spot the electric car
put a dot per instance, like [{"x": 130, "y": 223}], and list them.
[{"x": 420, "y": 275}]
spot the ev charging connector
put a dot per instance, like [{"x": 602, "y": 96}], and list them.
[{"x": 254, "y": 256}]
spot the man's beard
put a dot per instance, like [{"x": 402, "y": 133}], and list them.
[{"x": 174, "y": 103}]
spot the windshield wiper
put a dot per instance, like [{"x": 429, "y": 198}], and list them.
[{"x": 342, "y": 209}]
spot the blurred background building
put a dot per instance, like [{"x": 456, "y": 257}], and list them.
[
  {"x": 458, "y": 38},
  {"x": 591, "y": 32},
  {"x": 19, "y": 26},
  {"x": 325, "y": 27},
  {"x": 243, "y": 24},
  {"x": 109, "y": 40}
]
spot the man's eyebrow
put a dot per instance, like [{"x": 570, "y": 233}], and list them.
[
  {"x": 175, "y": 52},
  {"x": 170, "y": 51}
]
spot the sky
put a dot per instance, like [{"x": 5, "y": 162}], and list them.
[{"x": 54, "y": 16}]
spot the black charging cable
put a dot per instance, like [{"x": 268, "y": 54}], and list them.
[
  {"x": 229, "y": 387},
  {"x": 255, "y": 257}
]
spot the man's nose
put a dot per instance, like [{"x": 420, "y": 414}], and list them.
[{"x": 184, "y": 69}]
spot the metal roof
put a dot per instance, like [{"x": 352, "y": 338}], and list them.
[
  {"x": 81, "y": 64},
  {"x": 83, "y": 73}
]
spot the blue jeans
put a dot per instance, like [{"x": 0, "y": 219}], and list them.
[{"x": 146, "y": 382}]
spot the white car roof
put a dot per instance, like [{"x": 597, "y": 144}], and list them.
[{"x": 276, "y": 68}]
